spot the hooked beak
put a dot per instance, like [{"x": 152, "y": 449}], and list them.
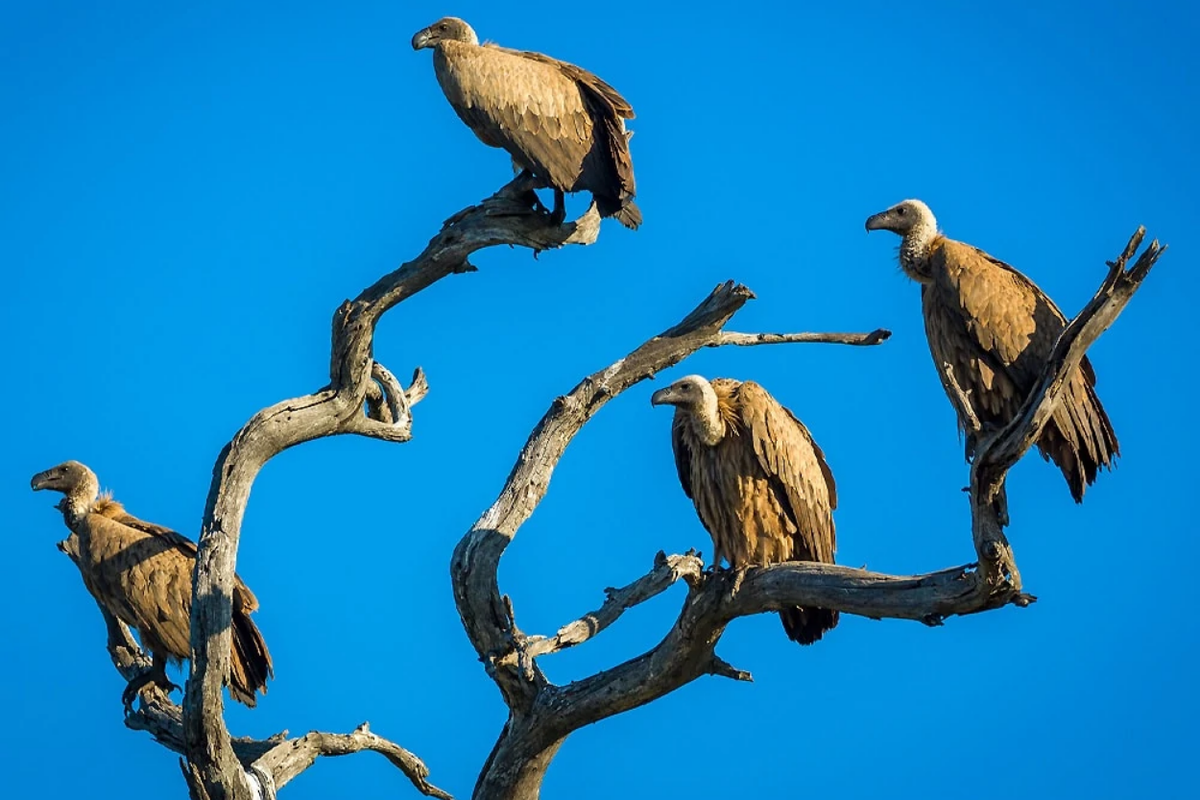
[
  {"x": 877, "y": 222},
  {"x": 38, "y": 482},
  {"x": 421, "y": 39},
  {"x": 661, "y": 398}
]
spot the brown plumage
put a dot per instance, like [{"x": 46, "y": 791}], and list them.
[
  {"x": 142, "y": 574},
  {"x": 996, "y": 329},
  {"x": 759, "y": 482},
  {"x": 561, "y": 123}
]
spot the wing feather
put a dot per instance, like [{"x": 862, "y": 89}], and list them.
[
  {"x": 527, "y": 106},
  {"x": 997, "y": 329},
  {"x": 796, "y": 468}
]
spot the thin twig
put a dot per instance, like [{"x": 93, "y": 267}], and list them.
[
  {"x": 667, "y": 570},
  {"x": 878, "y": 336}
]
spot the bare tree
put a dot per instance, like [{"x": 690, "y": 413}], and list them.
[{"x": 363, "y": 397}]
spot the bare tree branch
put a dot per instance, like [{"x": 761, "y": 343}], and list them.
[
  {"x": 998, "y": 454},
  {"x": 288, "y": 759},
  {"x": 750, "y": 339},
  {"x": 1118, "y": 288},
  {"x": 361, "y": 398},
  {"x": 963, "y": 400},
  {"x": 274, "y": 761},
  {"x": 542, "y": 715},
  {"x": 532, "y": 734},
  {"x": 667, "y": 570}
]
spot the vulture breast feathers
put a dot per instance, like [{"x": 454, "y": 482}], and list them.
[
  {"x": 996, "y": 330},
  {"x": 760, "y": 484},
  {"x": 560, "y": 122},
  {"x": 142, "y": 574}
]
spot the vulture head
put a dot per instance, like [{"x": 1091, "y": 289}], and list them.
[
  {"x": 690, "y": 393},
  {"x": 65, "y": 478},
  {"x": 904, "y": 218},
  {"x": 446, "y": 29},
  {"x": 695, "y": 397},
  {"x": 74, "y": 480}
]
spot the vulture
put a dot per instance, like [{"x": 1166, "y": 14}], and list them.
[
  {"x": 759, "y": 482},
  {"x": 559, "y": 122},
  {"x": 142, "y": 574},
  {"x": 994, "y": 329}
]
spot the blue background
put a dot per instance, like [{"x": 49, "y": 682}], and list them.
[{"x": 187, "y": 193}]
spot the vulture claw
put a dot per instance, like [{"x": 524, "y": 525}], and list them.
[{"x": 152, "y": 675}]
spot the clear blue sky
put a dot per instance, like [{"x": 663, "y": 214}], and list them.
[{"x": 186, "y": 194}]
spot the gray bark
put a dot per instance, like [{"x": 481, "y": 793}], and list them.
[
  {"x": 356, "y": 382},
  {"x": 542, "y": 714},
  {"x": 363, "y": 397}
]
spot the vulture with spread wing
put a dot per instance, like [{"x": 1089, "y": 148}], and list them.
[
  {"x": 557, "y": 121},
  {"x": 759, "y": 482},
  {"x": 993, "y": 329},
  {"x": 142, "y": 574}
]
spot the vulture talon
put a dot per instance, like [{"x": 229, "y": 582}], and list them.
[
  {"x": 135, "y": 686},
  {"x": 731, "y": 592}
]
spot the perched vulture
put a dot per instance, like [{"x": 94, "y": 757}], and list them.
[
  {"x": 557, "y": 121},
  {"x": 758, "y": 480},
  {"x": 995, "y": 329},
  {"x": 142, "y": 574}
]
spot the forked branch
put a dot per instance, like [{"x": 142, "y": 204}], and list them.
[
  {"x": 542, "y": 715},
  {"x": 1000, "y": 452},
  {"x": 271, "y": 762},
  {"x": 362, "y": 398},
  {"x": 535, "y": 731}
]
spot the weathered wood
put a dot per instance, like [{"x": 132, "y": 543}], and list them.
[
  {"x": 667, "y": 570},
  {"x": 364, "y": 398},
  {"x": 506, "y": 218},
  {"x": 542, "y": 714},
  {"x": 288, "y": 759}
]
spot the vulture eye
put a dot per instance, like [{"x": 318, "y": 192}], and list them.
[{"x": 900, "y": 211}]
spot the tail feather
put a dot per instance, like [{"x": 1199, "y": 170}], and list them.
[
  {"x": 251, "y": 661},
  {"x": 1079, "y": 438},
  {"x": 624, "y": 211},
  {"x": 807, "y": 625}
]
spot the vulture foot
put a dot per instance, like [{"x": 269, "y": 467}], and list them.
[
  {"x": 536, "y": 203},
  {"x": 559, "y": 215},
  {"x": 735, "y": 586},
  {"x": 153, "y": 675}
]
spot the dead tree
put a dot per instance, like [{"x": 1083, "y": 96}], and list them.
[{"x": 363, "y": 397}]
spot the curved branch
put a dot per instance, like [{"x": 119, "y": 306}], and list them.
[
  {"x": 1004, "y": 450},
  {"x": 532, "y": 735},
  {"x": 342, "y": 407},
  {"x": 288, "y": 759},
  {"x": 274, "y": 761},
  {"x": 667, "y": 570},
  {"x": 999, "y": 453},
  {"x": 542, "y": 715}
]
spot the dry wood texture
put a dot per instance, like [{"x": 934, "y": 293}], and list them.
[
  {"x": 542, "y": 714},
  {"x": 363, "y": 397}
]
